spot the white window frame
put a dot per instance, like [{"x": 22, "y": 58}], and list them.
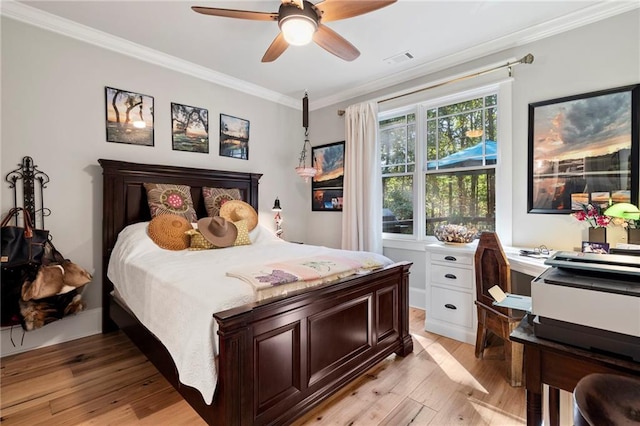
[{"x": 503, "y": 167}]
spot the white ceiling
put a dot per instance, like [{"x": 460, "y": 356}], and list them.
[{"x": 228, "y": 51}]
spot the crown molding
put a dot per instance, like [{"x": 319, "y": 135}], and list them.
[
  {"x": 30, "y": 15},
  {"x": 578, "y": 19},
  {"x": 47, "y": 21}
]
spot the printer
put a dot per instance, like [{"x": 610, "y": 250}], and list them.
[{"x": 591, "y": 301}]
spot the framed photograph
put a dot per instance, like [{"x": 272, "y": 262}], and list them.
[
  {"x": 595, "y": 247},
  {"x": 327, "y": 184},
  {"x": 234, "y": 137},
  {"x": 584, "y": 149},
  {"x": 129, "y": 117},
  {"x": 189, "y": 128}
]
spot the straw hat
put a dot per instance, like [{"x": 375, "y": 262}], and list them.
[
  {"x": 168, "y": 231},
  {"x": 235, "y": 210},
  {"x": 218, "y": 231}
]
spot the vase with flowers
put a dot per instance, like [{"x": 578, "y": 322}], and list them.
[{"x": 594, "y": 216}]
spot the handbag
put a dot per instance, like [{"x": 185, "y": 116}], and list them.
[
  {"x": 22, "y": 253},
  {"x": 22, "y": 246}
]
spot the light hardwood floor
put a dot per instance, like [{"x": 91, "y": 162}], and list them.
[{"x": 105, "y": 380}]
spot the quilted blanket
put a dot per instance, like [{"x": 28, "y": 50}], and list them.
[{"x": 307, "y": 272}]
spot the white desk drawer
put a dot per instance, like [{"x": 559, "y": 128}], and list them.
[
  {"x": 453, "y": 258},
  {"x": 447, "y": 275},
  {"x": 452, "y": 306}
]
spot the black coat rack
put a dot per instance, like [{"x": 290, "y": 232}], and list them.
[{"x": 33, "y": 201}]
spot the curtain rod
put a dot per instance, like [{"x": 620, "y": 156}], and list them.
[{"x": 527, "y": 59}]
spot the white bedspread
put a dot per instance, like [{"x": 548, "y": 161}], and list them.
[{"x": 175, "y": 293}]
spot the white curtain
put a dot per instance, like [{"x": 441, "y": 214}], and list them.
[{"x": 362, "y": 197}]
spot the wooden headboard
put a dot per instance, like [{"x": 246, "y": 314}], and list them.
[{"x": 125, "y": 199}]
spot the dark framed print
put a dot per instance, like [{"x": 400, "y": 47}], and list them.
[
  {"x": 584, "y": 149},
  {"x": 189, "y": 128},
  {"x": 327, "y": 185},
  {"x": 129, "y": 117},
  {"x": 234, "y": 137}
]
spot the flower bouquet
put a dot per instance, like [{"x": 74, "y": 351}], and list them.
[
  {"x": 593, "y": 215},
  {"x": 597, "y": 221}
]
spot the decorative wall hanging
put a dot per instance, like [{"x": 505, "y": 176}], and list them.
[
  {"x": 129, "y": 117},
  {"x": 32, "y": 195},
  {"x": 584, "y": 149},
  {"x": 234, "y": 137},
  {"x": 303, "y": 170},
  {"x": 327, "y": 184},
  {"x": 189, "y": 128}
]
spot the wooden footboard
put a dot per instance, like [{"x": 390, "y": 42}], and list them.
[{"x": 279, "y": 359}]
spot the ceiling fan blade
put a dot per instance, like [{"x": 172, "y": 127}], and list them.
[
  {"x": 333, "y": 10},
  {"x": 278, "y": 45},
  {"x": 334, "y": 43},
  {"x": 232, "y": 13}
]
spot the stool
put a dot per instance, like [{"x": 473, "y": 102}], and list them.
[{"x": 606, "y": 399}]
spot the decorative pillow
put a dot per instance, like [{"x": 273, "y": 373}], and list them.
[
  {"x": 243, "y": 233},
  {"x": 198, "y": 242},
  {"x": 170, "y": 199},
  {"x": 216, "y": 197}
]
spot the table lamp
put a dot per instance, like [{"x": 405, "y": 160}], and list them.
[
  {"x": 276, "y": 208},
  {"x": 628, "y": 212}
]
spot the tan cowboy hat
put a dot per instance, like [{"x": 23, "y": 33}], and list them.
[
  {"x": 168, "y": 231},
  {"x": 236, "y": 210},
  {"x": 218, "y": 231}
]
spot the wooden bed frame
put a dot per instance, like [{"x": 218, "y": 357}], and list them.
[{"x": 277, "y": 358}]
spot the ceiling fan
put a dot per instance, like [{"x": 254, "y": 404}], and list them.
[{"x": 301, "y": 21}]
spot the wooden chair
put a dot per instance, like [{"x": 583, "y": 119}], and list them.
[{"x": 492, "y": 268}]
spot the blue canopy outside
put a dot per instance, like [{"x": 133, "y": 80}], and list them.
[{"x": 472, "y": 153}]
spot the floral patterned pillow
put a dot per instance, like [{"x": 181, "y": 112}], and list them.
[
  {"x": 170, "y": 199},
  {"x": 216, "y": 197}
]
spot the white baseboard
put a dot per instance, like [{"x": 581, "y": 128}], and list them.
[
  {"x": 417, "y": 298},
  {"x": 73, "y": 327}
]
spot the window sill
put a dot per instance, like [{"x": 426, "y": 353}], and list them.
[{"x": 406, "y": 244}]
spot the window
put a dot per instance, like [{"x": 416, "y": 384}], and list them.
[
  {"x": 456, "y": 140},
  {"x": 398, "y": 161}
]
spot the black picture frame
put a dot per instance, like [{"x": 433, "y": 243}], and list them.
[
  {"x": 189, "y": 128},
  {"x": 584, "y": 149},
  {"x": 328, "y": 184},
  {"x": 234, "y": 137},
  {"x": 129, "y": 117}
]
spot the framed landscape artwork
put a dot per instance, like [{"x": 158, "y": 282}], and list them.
[
  {"x": 129, "y": 117},
  {"x": 584, "y": 149},
  {"x": 189, "y": 128},
  {"x": 327, "y": 184},
  {"x": 234, "y": 137}
]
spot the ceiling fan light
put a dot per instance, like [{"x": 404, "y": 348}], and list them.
[{"x": 298, "y": 30}]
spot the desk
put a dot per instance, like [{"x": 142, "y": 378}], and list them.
[
  {"x": 561, "y": 367},
  {"x": 524, "y": 264}
]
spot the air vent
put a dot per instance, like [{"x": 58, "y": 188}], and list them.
[{"x": 400, "y": 57}]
